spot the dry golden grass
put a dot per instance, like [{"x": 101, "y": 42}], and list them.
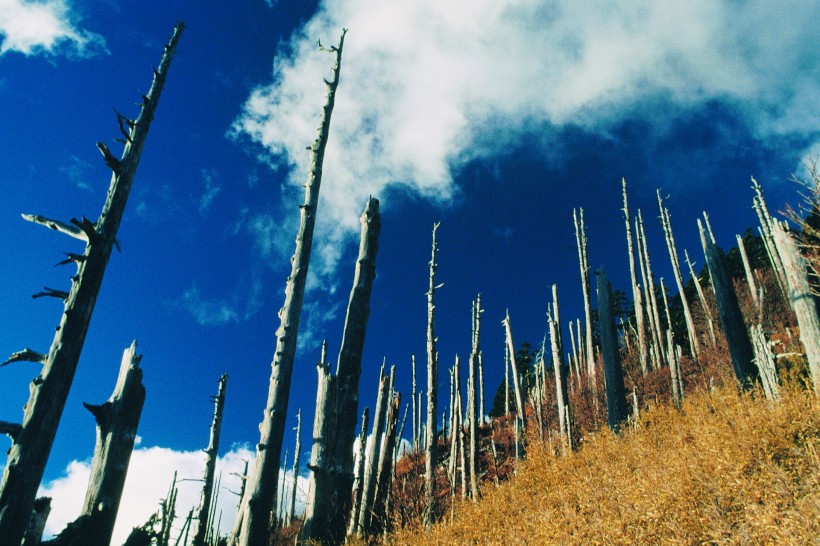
[{"x": 725, "y": 469}]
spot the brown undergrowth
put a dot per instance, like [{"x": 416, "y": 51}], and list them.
[{"x": 726, "y": 468}]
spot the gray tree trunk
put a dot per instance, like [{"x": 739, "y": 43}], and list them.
[
  {"x": 430, "y": 462},
  {"x": 765, "y": 363},
  {"x": 372, "y": 458},
  {"x": 613, "y": 372},
  {"x": 767, "y": 234},
  {"x": 32, "y": 444},
  {"x": 472, "y": 398},
  {"x": 359, "y": 479},
  {"x": 652, "y": 298},
  {"x": 203, "y": 521},
  {"x": 581, "y": 239},
  {"x": 637, "y": 296},
  {"x": 731, "y": 319},
  {"x": 747, "y": 269},
  {"x": 329, "y": 497},
  {"x": 666, "y": 223},
  {"x": 416, "y": 409},
  {"x": 801, "y": 299},
  {"x": 253, "y": 520},
  {"x": 519, "y": 395},
  {"x": 381, "y": 501},
  {"x": 557, "y": 345},
  {"x": 39, "y": 517},
  {"x": 708, "y": 312},
  {"x": 294, "y": 475}
]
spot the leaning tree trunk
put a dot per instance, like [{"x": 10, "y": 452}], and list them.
[
  {"x": 39, "y": 516},
  {"x": 801, "y": 299},
  {"x": 651, "y": 295},
  {"x": 731, "y": 318},
  {"x": 32, "y": 442},
  {"x": 212, "y": 452},
  {"x": 581, "y": 239},
  {"x": 385, "y": 467},
  {"x": 432, "y": 391},
  {"x": 519, "y": 396},
  {"x": 557, "y": 345},
  {"x": 637, "y": 297},
  {"x": 371, "y": 458},
  {"x": 747, "y": 269},
  {"x": 253, "y": 520},
  {"x": 329, "y": 497},
  {"x": 699, "y": 289},
  {"x": 613, "y": 371}
]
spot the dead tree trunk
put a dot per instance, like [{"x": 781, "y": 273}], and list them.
[
  {"x": 294, "y": 475},
  {"x": 39, "y": 516},
  {"x": 637, "y": 297},
  {"x": 765, "y": 363},
  {"x": 32, "y": 444},
  {"x": 613, "y": 372},
  {"x": 385, "y": 468},
  {"x": 801, "y": 299},
  {"x": 253, "y": 519},
  {"x": 212, "y": 453},
  {"x": 557, "y": 344},
  {"x": 651, "y": 296},
  {"x": 432, "y": 392},
  {"x": 581, "y": 239},
  {"x": 731, "y": 319},
  {"x": 416, "y": 428},
  {"x": 747, "y": 269},
  {"x": 666, "y": 223},
  {"x": 706, "y": 311},
  {"x": 329, "y": 497},
  {"x": 359, "y": 478},
  {"x": 472, "y": 398},
  {"x": 767, "y": 234},
  {"x": 372, "y": 458},
  {"x": 519, "y": 395}
]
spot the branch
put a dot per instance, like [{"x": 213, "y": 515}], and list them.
[
  {"x": 26, "y": 355},
  {"x": 56, "y": 225},
  {"x": 12, "y": 430},
  {"x": 122, "y": 121},
  {"x": 113, "y": 163},
  {"x": 87, "y": 227},
  {"x": 76, "y": 258},
  {"x": 100, "y": 412},
  {"x": 51, "y": 293}
]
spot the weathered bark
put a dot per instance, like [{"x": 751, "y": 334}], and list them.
[
  {"x": 747, "y": 269},
  {"x": 519, "y": 396},
  {"x": 359, "y": 476},
  {"x": 560, "y": 369},
  {"x": 637, "y": 296},
  {"x": 506, "y": 377},
  {"x": 455, "y": 426},
  {"x": 765, "y": 363},
  {"x": 253, "y": 520},
  {"x": 801, "y": 299},
  {"x": 674, "y": 369},
  {"x": 731, "y": 318},
  {"x": 767, "y": 224},
  {"x": 472, "y": 398},
  {"x": 329, "y": 497},
  {"x": 29, "y": 453},
  {"x": 372, "y": 458},
  {"x": 651, "y": 297},
  {"x": 702, "y": 298},
  {"x": 203, "y": 511},
  {"x": 613, "y": 371},
  {"x": 279, "y": 516},
  {"x": 416, "y": 409},
  {"x": 385, "y": 472},
  {"x": 294, "y": 474},
  {"x": 481, "y": 387},
  {"x": 666, "y": 223},
  {"x": 431, "y": 460},
  {"x": 581, "y": 239},
  {"x": 37, "y": 524}
]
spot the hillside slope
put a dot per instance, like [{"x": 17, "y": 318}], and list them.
[{"x": 725, "y": 469}]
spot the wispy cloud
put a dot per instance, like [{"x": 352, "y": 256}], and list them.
[
  {"x": 149, "y": 476},
  {"x": 45, "y": 27},
  {"x": 205, "y": 311},
  {"x": 209, "y": 176},
  {"x": 77, "y": 172},
  {"x": 427, "y": 86}
]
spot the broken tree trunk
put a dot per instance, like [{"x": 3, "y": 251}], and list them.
[
  {"x": 651, "y": 296},
  {"x": 637, "y": 297},
  {"x": 29, "y": 453},
  {"x": 699, "y": 289},
  {"x": 472, "y": 398},
  {"x": 372, "y": 458},
  {"x": 359, "y": 476},
  {"x": 581, "y": 239},
  {"x": 666, "y": 223},
  {"x": 747, "y": 269},
  {"x": 731, "y": 318},
  {"x": 385, "y": 468},
  {"x": 519, "y": 396},
  {"x": 212, "y": 453},
  {"x": 253, "y": 520},
  {"x": 801, "y": 299},
  {"x": 613, "y": 372},
  {"x": 557, "y": 344},
  {"x": 432, "y": 392},
  {"x": 329, "y": 497}
]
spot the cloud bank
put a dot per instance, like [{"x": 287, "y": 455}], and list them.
[
  {"x": 149, "y": 477},
  {"x": 427, "y": 86},
  {"x": 45, "y": 27}
]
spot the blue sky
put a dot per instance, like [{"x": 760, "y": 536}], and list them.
[{"x": 494, "y": 118}]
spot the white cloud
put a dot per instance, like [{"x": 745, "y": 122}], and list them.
[
  {"x": 149, "y": 477},
  {"x": 207, "y": 312},
  {"x": 209, "y": 176},
  {"x": 427, "y": 85},
  {"x": 48, "y": 26}
]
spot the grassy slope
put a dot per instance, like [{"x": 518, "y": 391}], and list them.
[{"x": 726, "y": 469}]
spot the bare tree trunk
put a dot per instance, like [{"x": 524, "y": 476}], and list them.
[
  {"x": 455, "y": 426},
  {"x": 666, "y": 223},
  {"x": 801, "y": 299},
  {"x": 416, "y": 428},
  {"x": 506, "y": 377},
  {"x": 212, "y": 452},
  {"x": 637, "y": 297},
  {"x": 581, "y": 239},
  {"x": 519, "y": 395},
  {"x": 557, "y": 344},
  {"x": 472, "y": 398},
  {"x": 710, "y": 320},
  {"x": 39, "y": 517},
  {"x": 32, "y": 443},
  {"x": 385, "y": 469},
  {"x": 359, "y": 479},
  {"x": 254, "y": 516},
  {"x": 430, "y": 462},
  {"x": 329, "y": 498},
  {"x": 613, "y": 372},
  {"x": 765, "y": 363},
  {"x": 767, "y": 234},
  {"x": 481, "y": 387},
  {"x": 279, "y": 514},
  {"x": 652, "y": 298},
  {"x": 750, "y": 278},
  {"x": 294, "y": 475},
  {"x": 372, "y": 458},
  {"x": 731, "y": 319}
]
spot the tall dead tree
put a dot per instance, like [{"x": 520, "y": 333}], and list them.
[
  {"x": 416, "y": 409},
  {"x": 33, "y": 440},
  {"x": 581, "y": 239},
  {"x": 359, "y": 476},
  {"x": 212, "y": 453},
  {"x": 613, "y": 371},
  {"x": 747, "y": 269},
  {"x": 385, "y": 467},
  {"x": 430, "y": 462},
  {"x": 39, "y": 516},
  {"x": 472, "y": 398},
  {"x": 650, "y": 294},
  {"x": 560, "y": 369},
  {"x": 731, "y": 318},
  {"x": 801, "y": 299},
  {"x": 666, "y": 223},
  {"x": 294, "y": 474},
  {"x": 637, "y": 297},
  {"x": 702, "y": 298},
  {"x": 767, "y": 223},
  {"x": 519, "y": 395},
  {"x": 372, "y": 457},
  {"x": 331, "y": 473},
  {"x": 252, "y": 526}
]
